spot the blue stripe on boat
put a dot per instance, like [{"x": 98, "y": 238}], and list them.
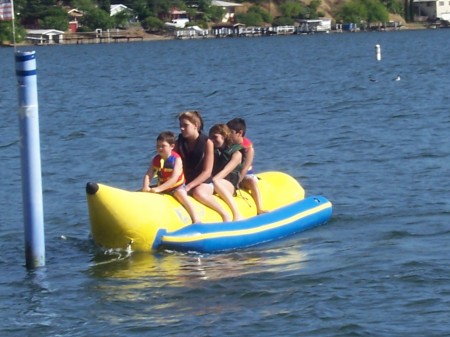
[{"x": 208, "y": 238}]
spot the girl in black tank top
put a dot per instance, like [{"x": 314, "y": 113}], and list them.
[{"x": 197, "y": 153}]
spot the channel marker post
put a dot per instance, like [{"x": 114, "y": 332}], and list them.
[{"x": 30, "y": 159}]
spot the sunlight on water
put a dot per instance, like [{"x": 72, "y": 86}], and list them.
[{"x": 318, "y": 107}]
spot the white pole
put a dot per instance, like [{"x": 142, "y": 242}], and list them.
[
  {"x": 30, "y": 159},
  {"x": 378, "y": 52}
]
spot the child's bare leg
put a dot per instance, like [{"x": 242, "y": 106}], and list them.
[
  {"x": 204, "y": 194},
  {"x": 251, "y": 184},
  {"x": 225, "y": 190},
  {"x": 183, "y": 198}
]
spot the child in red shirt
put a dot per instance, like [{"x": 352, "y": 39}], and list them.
[{"x": 248, "y": 180}]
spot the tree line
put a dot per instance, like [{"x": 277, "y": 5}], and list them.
[{"x": 151, "y": 14}]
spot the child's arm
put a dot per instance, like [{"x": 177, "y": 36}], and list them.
[
  {"x": 250, "y": 154},
  {"x": 234, "y": 161},
  {"x": 177, "y": 171},
  {"x": 147, "y": 179}
]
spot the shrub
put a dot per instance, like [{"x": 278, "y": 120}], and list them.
[{"x": 152, "y": 24}]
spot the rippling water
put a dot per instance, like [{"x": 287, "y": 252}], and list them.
[{"x": 318, "y": 107}]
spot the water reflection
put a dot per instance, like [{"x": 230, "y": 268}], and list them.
[
  {"x": 34, "y": 308},
  {"x": 180, "y": 269}
]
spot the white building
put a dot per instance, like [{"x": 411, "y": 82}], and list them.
[
  {"x": 431, "y": 10},
  {"x": 45, "y": 36},
  {"x": 116, "y": 9},
  {"x": 178, "y": 19},
  {"x": 229, "y": 8},
  {"x": 312, "y": 26}
]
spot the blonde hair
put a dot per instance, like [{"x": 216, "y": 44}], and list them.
[
  {"x": 194, "y": 117},
  {"x": 224, "y": 130}
]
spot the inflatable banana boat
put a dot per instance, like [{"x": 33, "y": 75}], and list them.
[{"x": 143, "y": 221}]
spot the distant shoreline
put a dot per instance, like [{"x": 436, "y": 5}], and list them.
[{"x": 146, "y": 37}]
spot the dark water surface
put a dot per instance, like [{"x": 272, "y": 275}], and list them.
[{"x": 319, "y": 108}]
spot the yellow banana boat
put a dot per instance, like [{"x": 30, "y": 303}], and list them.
[{"x": 145, "y": 221}]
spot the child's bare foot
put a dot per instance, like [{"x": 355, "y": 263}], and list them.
[{"x": 262, "y": 211}]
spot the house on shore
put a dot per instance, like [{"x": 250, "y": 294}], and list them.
[
  {"x": 229, "y": 8},
  {"x": 321, "y": 25},
  {"x": 74, "y": 15},
  {"x": 431, "y": 10},
  {"x": 177, "y": 19},
  {"x": 119, "y": 8},
  {"x": 45, "y": 36}
]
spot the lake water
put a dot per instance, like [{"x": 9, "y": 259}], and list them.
[{"x": 318, "y": 107}]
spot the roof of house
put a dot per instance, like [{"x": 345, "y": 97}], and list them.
[
  {"x": 74, "y": 12},
  {"x": 219, "y": 3},
  {"x": 44, "y": 32},
  {"x": 112, "y": 7},
  {"x": 115, "y": 9},
  {"x": 177, "y": 11}
]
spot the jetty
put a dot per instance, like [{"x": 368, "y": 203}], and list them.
[{"x": 55, "y": 37}]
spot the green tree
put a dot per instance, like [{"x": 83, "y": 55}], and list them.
[
  {"x": 83, "y": 5},
  {"x": 376, "y": 11},
  {"x": 394, "y": 6},
  {"x": 54, "y": 18},
  {"x": 122, "y": 18},
  {"x": 312, "y": 9},
  {"x": 152, "y": 24},
  {"x": 250, "y": 19},
  {"x": 264, "y": 14},
  {"x": 256, "y": 2},
  {"x": 362, "y": 11},
  {"x": 283, "y": 21},
  {"x": 353, "y": 11},
  {"x": 19, "y": 6},
  {"x": 33, "y": 11},
  {"x": 199, "y": 5},
  {"x": 96, "y": 18},
  {"x": 314, "y": 5},
  {"x": 142, "y": 9},
  {"x": 160, "y": 8},
  {"x": 255, "y": 16},
  {"x": 214, "y": 13},
  {"x": 6, "y": 33},
  {"x": 104, "y": 4},
  {"x": 293, "y": 9},
  {"x": 204, "y": 5}
]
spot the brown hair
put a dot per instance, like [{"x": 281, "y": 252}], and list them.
[
  {"x": 167, "y": 136},
  {"x": 194, "y": 117},
  {"x": 224, "y": 130}
]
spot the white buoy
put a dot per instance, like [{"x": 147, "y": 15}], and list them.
[{"x": 378, "y": 52}]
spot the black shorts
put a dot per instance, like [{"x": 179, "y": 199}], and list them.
[{"x": 233, "y": 178}]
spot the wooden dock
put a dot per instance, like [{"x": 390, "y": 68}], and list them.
[{"x": 96, "y": 37}]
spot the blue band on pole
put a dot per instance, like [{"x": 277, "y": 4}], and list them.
[
  {"x": 25, "y": 57},
  {"x": 23, "y": 73}
]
